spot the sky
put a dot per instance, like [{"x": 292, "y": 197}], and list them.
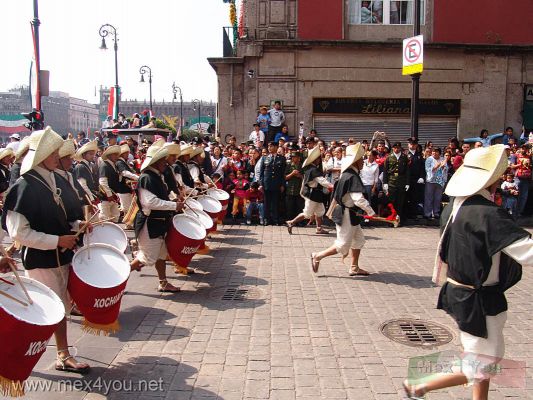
[{"x": 173, "y": 37}]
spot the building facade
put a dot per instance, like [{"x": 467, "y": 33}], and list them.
[{"x": 337, "y": 68}]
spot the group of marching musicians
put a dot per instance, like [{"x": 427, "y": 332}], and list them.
[{"x": 49, "y": 190}]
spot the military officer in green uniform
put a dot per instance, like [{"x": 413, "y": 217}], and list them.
[{"x": 396, "y": 177}]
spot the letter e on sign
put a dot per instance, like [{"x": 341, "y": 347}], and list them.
[{"x": 413, "y": 55}]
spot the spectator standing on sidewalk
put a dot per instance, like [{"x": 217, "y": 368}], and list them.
[
  {"x": 510, "y": 194},
  {"x": 436, "y": 175},
  {"x": 370, "y": 176},
  {"x": 263, "y": 119},
  {"x": 272, "y": 180},
  {"x": 334, "y": 165},
  {"x": 417, "y": 174},
  {"x": 523, "y": 173},
  {"x": 277, "y": 119},
  {"x": 257, "y": 136},
  {"x": 294, "y": 178},
  {"x": 396, "y": 177}
]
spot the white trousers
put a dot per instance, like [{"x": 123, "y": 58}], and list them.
[
  {"x": 125, "y": 201},
  {"x": 150, "y": 250},
  {"x": 348, "y": 236},
  {"x": 109, "y": 209},
  {"x": 313, "y": 208},
  {"x": 56, "y": 279}
]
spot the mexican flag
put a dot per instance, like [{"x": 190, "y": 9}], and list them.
[
  {"x": 112, "y": 106},
  {"x": 13, "y": 124}
]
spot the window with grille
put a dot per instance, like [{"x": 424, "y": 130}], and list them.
[{"x": 383, "y": 12}]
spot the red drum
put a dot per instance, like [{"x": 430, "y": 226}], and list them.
[
  {"x": 108, "y": 233},
  {"x": 98, "y": 277},
  {"x": 205, "y": 220},
  {"x": 223, "y": 197},
  {"x": 25, "y": 331},
  {"x": 212, "y": 207},
  {"x": 184, "y": 239},
  {"x": 193, "y": 204}
]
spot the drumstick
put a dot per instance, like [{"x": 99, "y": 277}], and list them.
[
  {"x": 14, "y": 269},
  {"x": 192, "y": 209},
  {"x": 79, "y": 232},
  {"x": 13, "y": 298},
  {"x": 6, "y": 281}
]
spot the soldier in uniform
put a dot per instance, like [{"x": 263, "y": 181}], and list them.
[
  {"x": 109, "y": 180},
  {"x": 417, "y": 173},
  {"x": 396, "y": 176},
  {"x": 272, "y": 181}
]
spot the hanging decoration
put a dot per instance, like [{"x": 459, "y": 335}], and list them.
[{"x": 241, "y": 20}]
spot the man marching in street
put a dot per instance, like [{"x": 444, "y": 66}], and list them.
[
  {"x": 154, "y": 216},
  {"x": 485, "y": 251},
  {"x": 109, "y": 181},
  {"x": 36, "y": 218},
  {"x": 126, "y": 177},
  {"x": 6, "y": 156},
  {"x": 201, "y": 180},
  {"x": 19, "y": 156},
  {"x": 181, "y": 171},
  {"x": 71, "y": 191},
  {"x": 348, "y": 198},
  {"x": 83, "y": 171},
  {"x": 314, "y": 183}
]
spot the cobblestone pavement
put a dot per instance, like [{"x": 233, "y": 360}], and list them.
[{"x": 295, "y": 335}]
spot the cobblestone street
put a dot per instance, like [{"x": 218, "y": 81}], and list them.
[{"x": 283, "y": 333}]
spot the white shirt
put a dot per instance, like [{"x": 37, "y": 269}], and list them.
[
  {"x": 83, "y": 182},
  {"x": 150, "y": 201},
  {"x": 357, "y": 199},
  {"x": 334, "y": 162},
  {"x": 257, "y": 137},
  {"x": 14, "y": 146},
  {"x": 219, "y": 165},
  {"x": 104, "y": 183},
  {"x": 370, "y": 173}
]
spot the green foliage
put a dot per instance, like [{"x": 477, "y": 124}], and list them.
[
  {"x": 162, "y": 125},
  {"x": 187, "y": 135}
]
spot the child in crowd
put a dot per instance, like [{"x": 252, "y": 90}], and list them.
[
  {"x": 254, "y": 199},
  {"x": 510, "y": 194},
  {"x": 241, "y": 185}
]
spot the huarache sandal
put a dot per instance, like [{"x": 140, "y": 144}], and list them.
[
  {"x": 356, "y": 271},
  {"x": 166, "y": 287},
  {"x": 289, "y": 227},
  {"x": 137, "y": 267},
  {"x": 414, "y": 392},
  {"x": 321, "y": 232},
  {"x": 64, "y": 365},
  {"x": 314, "y": 263}
]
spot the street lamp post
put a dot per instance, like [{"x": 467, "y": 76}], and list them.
[
  {"x": 143, "y": 70},
  {"x": 175, "y": 91},
  {"x": 198, "y": 103},
  {"x": 105, "y": 30}
]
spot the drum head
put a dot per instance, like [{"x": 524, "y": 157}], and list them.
[
  {"x": 47, "y": 308},
  {"x": 200, "y": 216},
  {"x": 189, "y": 227},
  {"x": 194, "y": 204},
  {"x": 108, "y": 233},
  {"x": 105, "y": 268},
  {"x": 218, "y": 194},
  {"x": 210, "y": 204}
]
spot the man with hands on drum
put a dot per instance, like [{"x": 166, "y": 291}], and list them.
[
  {"x": 201, "y": 180},
  {"x": 84, "y": 170},
  {"x": 154, "y": 216},
  {"x": 36, "y": 218},
  {"x": 127, "y": 177},
  {"x": 181, "y": 171},
  {"x": 109, "y": 180}
]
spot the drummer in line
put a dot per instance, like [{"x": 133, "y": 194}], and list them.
[
  {"x": 37, "y": 219},
  {"x": 84, "y": 170},
  {"x": 126, "y": 177},
  {"x": 154, "y": 216},
  {"x": 201, "y": 180}
]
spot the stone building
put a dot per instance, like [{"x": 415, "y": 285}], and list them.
[{"x": 337, "y": 67}]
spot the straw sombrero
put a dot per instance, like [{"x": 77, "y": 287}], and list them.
[
  {"x": 173, "y": 149},
  {"x": 90, "y": 146},
  {"x": 198, "y": 151},
  {"x": 114, "y": 149},
  {"x": 186, "y": 150},
  {"x": 154, "y": 154},
  {"x": 7, "y": 152},
  {"x": 68, "y": 148},
  {"x": 159, "y": 142},
  {"x": 353, "y": 153},
  {"x": 312, "y": 156},
  {"x": 481, "y": 168},
  {"x": 23, "y": 148},
  {"x": 124, "y": 148},
  {"x": 42, "y": 145}
]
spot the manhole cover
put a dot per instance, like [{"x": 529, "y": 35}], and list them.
[
  {"x": 235, "y": 293},
  {"x": 416, "y": 333}
]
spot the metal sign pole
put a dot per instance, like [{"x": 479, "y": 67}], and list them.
[{"x": 415, "y": 77}]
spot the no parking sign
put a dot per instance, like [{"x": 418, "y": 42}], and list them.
[{"x": 413, "y": 55}]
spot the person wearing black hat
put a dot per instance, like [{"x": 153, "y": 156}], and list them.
[
  {"x": 272, "y": 180},
  {"x": 396, "y": 176},
  {"x": 417, "y": 172}
]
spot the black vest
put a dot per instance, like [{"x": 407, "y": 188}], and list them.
[
  {"x": 14, "y": 173},
  {"x": 71, "y": 199},
  {"x": 82, "y": 170},
  {"x": 30, "y": 197},
  {"x": 158, "y": 221},
  {"x": 181, "y": 168},
  {"x": 170, "y": 180},
  {"x": 4, "y": 178},
  {"x": 106, "y": 170},
  {"x": 315, "y": 194},
  {"x": 200, "y": 172},
  {"x": 123, "y": 185},
  {"x": 349, "y": 182}
]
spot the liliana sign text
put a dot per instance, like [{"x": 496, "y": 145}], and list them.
[{"x": 397, "y": 107}]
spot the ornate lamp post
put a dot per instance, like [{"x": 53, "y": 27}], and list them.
[
  {"x": 104, "y": 31},
  {"x": 197, "y": 104},
  {"x": 175, "y": 90},
  {"x": 143, "y": 70}
]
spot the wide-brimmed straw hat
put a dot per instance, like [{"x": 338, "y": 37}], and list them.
[
  {"x": 185, "y": 150},
  {"x": 353, "y": 153},
  {"x": 481, "y": 168},
  {"x": 6, "y": 152},
  {"x": 68, "y": 148},
  {"x": 159, "y": 142},
  {"x": 42, "y": 145},
  {"x": 124, "y": 148},
  {"x": 22, "y": 149},
  {"x": 173, "y": 149},
  {"x": 198, "y": 151},
  {"x": 154, "y": 154},
  {"x": 312, "y": 156},
  {"x": 89, "y": 146},
  {"x": 114, "y": 149}
]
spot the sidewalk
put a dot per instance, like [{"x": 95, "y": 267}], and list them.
[{"x": 255, "y": 323}]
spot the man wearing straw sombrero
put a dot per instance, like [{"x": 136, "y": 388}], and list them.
[
  {"x": 348, "y": 198},
  {"x": 6, "y": 156},
  {"x": 19, "y": 156},
  {"x": 181, "y": 171},
  {"x": 312, "y": 191},
  {"x": 154, "y": 216},
  {"x": 484, "y": 251},
  {"x": 36, "y": 218},
  {"x": 200, "y": 179},
  {"x": 126, "y": 177},
  {"x": 84, "y": 170},
  {"x": 109, "y": 181}
]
